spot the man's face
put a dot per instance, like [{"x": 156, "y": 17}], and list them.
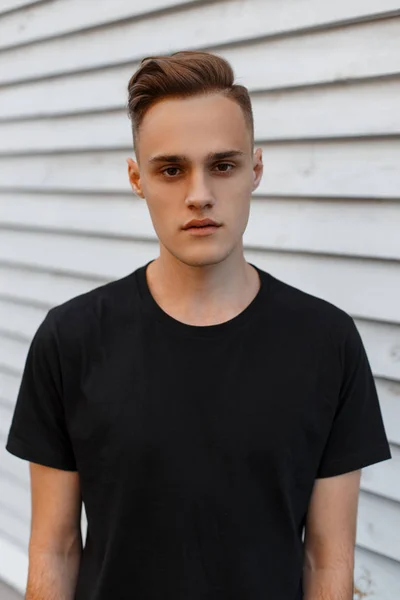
[{"x": 195, "y": 161}]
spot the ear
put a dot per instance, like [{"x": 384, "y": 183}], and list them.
[
  {"x": 258, "y": 168},
  {"x": 134, "y": 177}
]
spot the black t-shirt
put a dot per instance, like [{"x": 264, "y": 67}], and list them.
[{"x": 197, "y": 447}]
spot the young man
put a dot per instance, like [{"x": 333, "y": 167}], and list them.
[{"x": 207, "y": 413}]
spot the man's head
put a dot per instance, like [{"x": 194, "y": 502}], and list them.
[{"x": 193, "y": 137}]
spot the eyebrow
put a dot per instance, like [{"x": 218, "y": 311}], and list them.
[{"x": 175, "y": 158}]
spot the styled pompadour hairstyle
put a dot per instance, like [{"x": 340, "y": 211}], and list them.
[{"x": 183, "y": 74}]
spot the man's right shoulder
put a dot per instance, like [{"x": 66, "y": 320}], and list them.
[{"x": 81, "y": 313}]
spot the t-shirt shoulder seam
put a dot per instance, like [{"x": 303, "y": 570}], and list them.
[
  {"x": 85, "y": 299},
  {"x": 332, "y": 311}
]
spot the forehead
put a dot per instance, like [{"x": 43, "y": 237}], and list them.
[{"x": 193, "y": 126}]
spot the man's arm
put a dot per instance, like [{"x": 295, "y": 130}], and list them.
[
  {"x": 330, "y": 536},
  {"x": 55, "y": 542}
]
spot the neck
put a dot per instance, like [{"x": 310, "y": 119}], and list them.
[{"x": 202, "y": 294}]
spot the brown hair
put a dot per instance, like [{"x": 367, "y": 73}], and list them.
[{"x": 180, "y": 75}]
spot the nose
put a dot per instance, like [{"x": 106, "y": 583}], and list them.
[{"x": 199, "y": 193}]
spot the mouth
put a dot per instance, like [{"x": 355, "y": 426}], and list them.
[
  {"x": 201, "y": 226},
  {"x": 202, "y": 229}
]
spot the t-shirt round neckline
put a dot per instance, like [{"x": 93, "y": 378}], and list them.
[{"x": 154, "y": 310}]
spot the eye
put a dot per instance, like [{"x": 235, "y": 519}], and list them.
[
  {"x": 221, "y": 167},
  {"x": 170, "y": 172}
]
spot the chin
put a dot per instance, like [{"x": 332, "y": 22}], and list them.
[{"x": 202, "y": 257}]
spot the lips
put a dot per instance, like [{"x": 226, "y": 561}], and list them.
[{"x": 200, "y": 223}]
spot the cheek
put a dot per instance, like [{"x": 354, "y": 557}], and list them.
[
  {"x": 235, "y": 197},
  {"x": 160, "y": 193},
  {"x": 239, "y": 185},
  {"x": 163, "y": 207},
  {"x": 158, "y": 197},
  {"x": 158, "y": 210}
]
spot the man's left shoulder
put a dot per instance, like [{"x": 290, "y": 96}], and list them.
[{"x": 310, "y": 310}]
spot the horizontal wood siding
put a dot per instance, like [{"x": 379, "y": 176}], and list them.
[{"x": 325, "y": 84}]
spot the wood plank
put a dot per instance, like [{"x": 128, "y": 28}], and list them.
[
  {"x": 20, "y": 319},
  {"x": 366, "y": 109},
  {"x": 9, "y": 386},
  {"x": 73, "y": 257},
  {"x": 323, "y": 226},
  {"x": 42, "y": 287},
  {"x": 375, "y": 576},
  {"x": 14, "y": 466},
  {"x": 16, "y": 496},
  {"x": 361, "y": 51},
  {"x": 16, "y": 527},
  {"x": 382, "y": 342},
  {"x": 389, "y": 395},
  {"x": 351, "y": 168},
  {"x": 14, "y": 5},
  {"x": 299, "y": 225},
  {"x": 5, "y": 421},
  {"x": 384, "y": 478},
  {"x": 96, "y": 131},
  {"x": 14, "y": 563},
  {"x": 79, "y": 171},
  {"x": 344, "y": 282},
  {"x": 304, "y": 114},
  {"x": 196, "y": 27},
  {"x": 59, "y": 18},
  {"x": 378, "y": 525},
  {"x": 342, "y": 168},
  {"x": 13, "y": 354}
]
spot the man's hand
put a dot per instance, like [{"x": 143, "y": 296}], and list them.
[{"x": 330, "y": 537}]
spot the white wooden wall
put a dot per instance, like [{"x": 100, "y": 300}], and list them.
[{"x": 325, "y": 84}]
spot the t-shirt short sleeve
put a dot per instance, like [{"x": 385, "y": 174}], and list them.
[
  {"x": 38, "y": 431},
  {"x": 357, "y": 437}
]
